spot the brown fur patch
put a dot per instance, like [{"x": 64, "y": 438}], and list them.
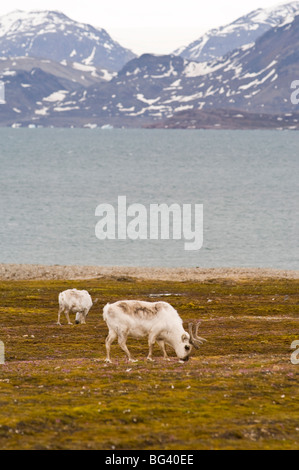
[
  {"x": 77, "y": 295},
  {"x": 124, "y": 306},
  {"x": 141, "y": 309}
]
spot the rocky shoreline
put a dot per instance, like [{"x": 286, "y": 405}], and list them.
[{"x": 18, "y": 272}]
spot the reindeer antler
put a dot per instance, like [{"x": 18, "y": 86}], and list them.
[{"x": 195, "y": 340}]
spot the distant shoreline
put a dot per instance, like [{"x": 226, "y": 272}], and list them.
[{"x": 17, "y": 272}]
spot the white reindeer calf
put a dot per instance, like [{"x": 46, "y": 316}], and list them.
[
  {"x": 159, "y": 321},
  {"x": 74, "y": 301}
]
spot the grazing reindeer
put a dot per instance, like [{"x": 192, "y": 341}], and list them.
[
  {"x": 159, "y": 321},
  {"x": 74, "y": 301}
]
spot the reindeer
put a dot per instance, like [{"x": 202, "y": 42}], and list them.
[
  {"x": 75, "y": 301},
  {"x": 159, "y": 321}
]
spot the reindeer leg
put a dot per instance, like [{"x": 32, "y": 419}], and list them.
[
  {"x": 68, "y": 317},
  {"x": 122, "y": 342},
  {"x": 109, "y": 340},
  {"x": 59, "y": 315},
  {"x": 162, "y": 346},
  {"x": 84, "y": 316},
  {"x": 150, "y": 352},
  {"x": 151, "y": 343}
]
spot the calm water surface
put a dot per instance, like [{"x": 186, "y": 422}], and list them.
[{"x": 52, "y": 180}]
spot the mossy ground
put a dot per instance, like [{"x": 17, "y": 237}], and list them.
[{"x": 239, "y": 391}]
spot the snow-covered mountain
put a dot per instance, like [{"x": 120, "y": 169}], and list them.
[
  {"x": 52, "y": 35},
  {"x": 245, "y": 86},
  {"x": 253, "y": 79},
  {"x": 79, "y": 75},
  {"x": 219, "y": 41}
]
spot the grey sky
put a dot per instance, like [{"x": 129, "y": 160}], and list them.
[{"x": 157, "y": 26}]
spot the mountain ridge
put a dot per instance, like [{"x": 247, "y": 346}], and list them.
[
  {"x": 53, "y": 35},
  {"x": 217, "y": 42},
  {"x": 152, "y": 89}
]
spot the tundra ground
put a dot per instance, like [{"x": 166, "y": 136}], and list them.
[{"x": 239, "y": 391}]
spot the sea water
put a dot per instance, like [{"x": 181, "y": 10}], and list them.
[{"x": 52, "y": 181}]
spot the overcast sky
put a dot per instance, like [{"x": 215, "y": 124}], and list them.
[{"x": 157, "y": 26}]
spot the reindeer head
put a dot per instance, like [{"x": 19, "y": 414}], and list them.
[
  {"x": 80, "y": 318},
  {"x": 188, "y": 341}
]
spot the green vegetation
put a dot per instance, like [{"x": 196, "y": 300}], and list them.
[{"x": 239, "y": 391}]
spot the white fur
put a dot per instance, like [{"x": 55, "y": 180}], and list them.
[
  {"x": 159, "y": 321},
  {"x": 74, "y": 301}
]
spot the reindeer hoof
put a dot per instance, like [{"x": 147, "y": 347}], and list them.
[{"x": 150, "y": 359}]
